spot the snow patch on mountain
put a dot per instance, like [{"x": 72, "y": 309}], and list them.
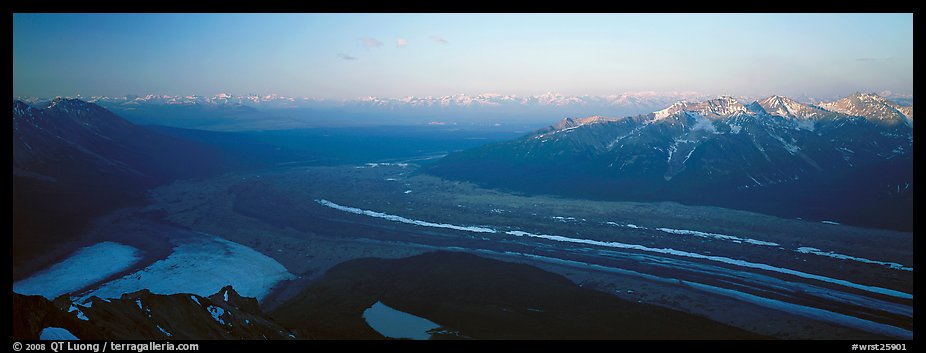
[
  {"x": 216, "y": 313},
  {"x": 80, "y": 314},
  {"x": 56, "y": 334},
  {"x": 702, "y": 123}
]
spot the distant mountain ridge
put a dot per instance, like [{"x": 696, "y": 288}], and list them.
[
  {"x": 850, "y": 159},
  {"x": 548, "y": 99},
  {"x": 650, "y": 100},
  {"x": 229, "y": 112}
]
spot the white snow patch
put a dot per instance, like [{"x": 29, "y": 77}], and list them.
[
  {"x": 138, "y": 302},
  {"x": 718, "y": 236},
  {"x": 619, "y": 138},
  {"x": 403, "y": 219},
  {"x": 195, "y": 299},
  {"x": 217, "y": 313},
  {"x": 805, "y": 124},
  {"x": 628, "y": 225},
  {"x": 564, "y": 219},
  {"x": 687, "y": 156},
  {"x": 85, "y": 267},
  {"x": 829, "y": 222},
  {"x": 702, "y": 123},
  {"x": 57, "y": 334},
  {"x": 790, "y": 147},
  {"x": 815, "y": 251},
  {"x": 203, "y": 266},
  {"x": 226, "y": 295},
  {"x": 164, "y": 331},
  {"x": 80, "y": 314},
  {"x": 662, "y": 114},
  {"x": 408, "y": 191},
  {"x": 665, "y": 113},
  {"x": 374, "y": 165}
]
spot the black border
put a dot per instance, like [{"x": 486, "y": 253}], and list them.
[{"x": 272, "y": 6}]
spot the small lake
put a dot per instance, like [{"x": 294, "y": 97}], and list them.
[{"x": 397, "y": 324}]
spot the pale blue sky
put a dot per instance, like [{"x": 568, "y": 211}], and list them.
[{"x": 336, "y": 56}]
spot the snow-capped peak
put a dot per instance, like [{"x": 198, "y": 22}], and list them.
[
  {"x": 787, "y": 107},
  {"x": 872, "y": 107},
  {"x": 672, "y": 109},
  {"x": 67, "y": 104},
  {"x": 723, "y": 106}
]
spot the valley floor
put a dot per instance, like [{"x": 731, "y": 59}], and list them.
[{"x": 784, "y": 278}]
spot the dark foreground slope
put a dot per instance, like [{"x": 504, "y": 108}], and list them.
[
  {"x": 74, "y": 160},
  {"x": 143, "y": 316},
  {"x": 483, "y": 299}
]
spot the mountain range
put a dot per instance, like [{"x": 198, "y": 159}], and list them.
[
  {"x": 848, "y": 160},
  {"x": 548, "y": 99},
  {"x": 643, "y": 99},
  {"x": 229, "y": 112}
]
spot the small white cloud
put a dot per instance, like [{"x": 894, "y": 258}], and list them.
[
  {"x": 401, "y": 42},
  {"x": 370, "y": 42},
  {"x": 343, "y": 56},
  {"x": 439, "y": 39},
  {"x": 874, "y": 59}
]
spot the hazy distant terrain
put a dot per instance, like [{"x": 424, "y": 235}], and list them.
[{"x": 225, "y": 112}]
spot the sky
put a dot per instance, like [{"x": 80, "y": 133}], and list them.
[{"x": 347, "y": 56}]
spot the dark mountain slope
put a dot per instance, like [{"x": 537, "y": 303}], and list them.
[
  {"x": 144, "y": 316},
  {"x": 74, "y": 160}
]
